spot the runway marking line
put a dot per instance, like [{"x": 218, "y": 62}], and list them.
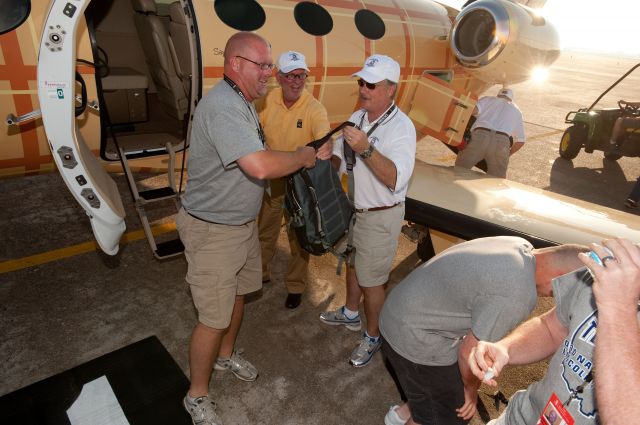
[{"x": 82, "y": 248}]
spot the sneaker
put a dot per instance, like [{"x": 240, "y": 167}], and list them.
[
  {"x": 365, "y": 351},
  {"x": 202, "y": 411},
  {"x": 630, "y": 203},
  {"x": 337, "y": 317},
  {"x": 238, "y": 365},
  {"x": 392, "y": 417}
]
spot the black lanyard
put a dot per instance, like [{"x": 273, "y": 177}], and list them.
[
  {"x": 580, "y": 388},
  {"x": 235, "y": 88},
  {"x": 378, "y": 121}
]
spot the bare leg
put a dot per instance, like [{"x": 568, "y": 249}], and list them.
[
  {"x": 229, "y": 339},
  {"x": 404, "y": 412},
  {"x": 203, "y": 349},
  {"x": 354, "y": 292},
  {"x": 373, "y": 301}
]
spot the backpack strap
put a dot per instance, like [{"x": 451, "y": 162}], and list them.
[{"x": 317, "y": 144}]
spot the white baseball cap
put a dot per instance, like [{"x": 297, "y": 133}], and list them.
[
  {"x": 288, "y": 61},
  {"x": 379, "y": 67},
  {"x": 508, "y": 93}
]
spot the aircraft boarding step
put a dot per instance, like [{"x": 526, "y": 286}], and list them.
[{"x": 143, "y": 198}]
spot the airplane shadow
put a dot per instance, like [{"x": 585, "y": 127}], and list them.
[{"x": 606, "y": 186}]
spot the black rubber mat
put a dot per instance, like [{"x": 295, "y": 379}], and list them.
[{"x": 147, "y": 382}]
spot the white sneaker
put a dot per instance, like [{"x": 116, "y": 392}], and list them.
[
  {"x": 202, "y": 411},
  {"x": 392, "y": 417}
]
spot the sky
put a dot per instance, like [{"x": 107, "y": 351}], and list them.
[{"x": 603, "y": 26}]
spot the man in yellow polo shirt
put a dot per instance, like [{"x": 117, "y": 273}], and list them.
[{"x": 291, "y": 117}]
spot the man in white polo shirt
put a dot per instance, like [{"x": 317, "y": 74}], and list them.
[
  {"x": 498, "y": 120},
  {"x": 385, "y": 145}
]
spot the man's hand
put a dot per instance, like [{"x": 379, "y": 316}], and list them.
[
  {"x": 306, "y": 156},
  {"x": 325, "y": 151},
  {"x": 356, "y": 138},
  {"x": 617, "y": 280},
  {"x": 487, "y": 360},
  {"x": 468, "y": 409}
]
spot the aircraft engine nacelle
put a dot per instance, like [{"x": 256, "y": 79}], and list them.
[{"x": 502, "y": 42}]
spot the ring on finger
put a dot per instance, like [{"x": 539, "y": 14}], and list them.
[{"x": 605, "y": 258}]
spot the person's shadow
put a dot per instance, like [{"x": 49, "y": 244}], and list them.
[{"x": 606, "y": 186}]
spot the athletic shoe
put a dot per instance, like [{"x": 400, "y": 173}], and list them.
[
  {"x": 365, "y": 351},
  {"x": 202, "y": 411},
  {"x": 630, "y": 203},
  {"x": 392, "y": 417},
  {"x": 337, "y": 317},
  {"x": 238, "y": 365}
]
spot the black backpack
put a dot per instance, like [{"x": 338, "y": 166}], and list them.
[{"x": 319, "y": 210}]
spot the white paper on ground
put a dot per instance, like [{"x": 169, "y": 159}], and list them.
[{"x": 97, "y": 405}]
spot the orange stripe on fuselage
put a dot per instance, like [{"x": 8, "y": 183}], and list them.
[{"x": 18, "y": 74}]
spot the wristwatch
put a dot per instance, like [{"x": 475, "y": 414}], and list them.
[{"x": 367, "y": 152}]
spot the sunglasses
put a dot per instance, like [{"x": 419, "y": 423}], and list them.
[
  {"x": 293, "y": 77},
  {"x": 370, "y": 86}
]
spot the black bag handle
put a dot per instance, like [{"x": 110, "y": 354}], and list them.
[{"x": 317, "y": 144}]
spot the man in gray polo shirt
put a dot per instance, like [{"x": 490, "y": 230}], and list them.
[
  {"x": 480, "y": 289},
  {"x": 217, "y": 224}
]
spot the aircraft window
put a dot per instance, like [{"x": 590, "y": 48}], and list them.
[
  {"x": 369, "y": 24},
  {"x": 14, "y": 13},
  {"x": 313, "y": 18},
  {"x": 242, "y": 15}
]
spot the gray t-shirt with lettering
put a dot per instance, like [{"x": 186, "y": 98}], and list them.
[
  {"x": 225, "y": 128},
  {"x": 485, "y": 285}
]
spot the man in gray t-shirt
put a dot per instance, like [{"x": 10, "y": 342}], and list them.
[
  {"x": 480, "y": 289},
  {"x": 227, "y": 167}
]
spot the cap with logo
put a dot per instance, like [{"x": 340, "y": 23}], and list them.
[
  {"x": 508, "y": 93},
  {"x": 288, "y": 61},
  {"x": 379, "y": 67}
]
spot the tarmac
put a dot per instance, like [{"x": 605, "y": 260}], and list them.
[{"x": 63, "y": 303}]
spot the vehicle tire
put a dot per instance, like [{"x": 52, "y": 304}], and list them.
[
  {"x": 572, "y": 140},
  {"x": 612, "y": 156}
]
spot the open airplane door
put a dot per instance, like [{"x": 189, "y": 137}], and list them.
[
  {"x": 82, "y": 172},
  {"x": 438, "y": 110}
]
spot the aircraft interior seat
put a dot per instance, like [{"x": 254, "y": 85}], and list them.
[
  {"x": 179, "y": 44},
  {"x": 124, "y": 91},
  {"x": 155, "y": 43}
]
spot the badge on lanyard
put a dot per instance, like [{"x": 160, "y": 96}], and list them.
[{"x": 555, "y": 413}]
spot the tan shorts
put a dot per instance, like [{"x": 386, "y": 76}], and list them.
[
  {"x": 375, "y": 237},
  {"x": 223, "y": 261}
]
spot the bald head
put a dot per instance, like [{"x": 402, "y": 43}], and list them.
[
  {"x": 247, "y": 61},
  {"x": 242, "y": 43},
  {"x": 555, "y": 261}
]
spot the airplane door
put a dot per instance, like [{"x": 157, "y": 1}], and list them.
[
  {"x": 440, "y": 111},
  {"x": 83, "y": 174}
]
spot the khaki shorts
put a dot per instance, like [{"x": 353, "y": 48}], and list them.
[
  {"x": 375, "y": 238},
  {"x": 223, "y": 261}
]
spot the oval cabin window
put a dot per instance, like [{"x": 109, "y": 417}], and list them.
[
  {"x": 313, "y": 18},
  {"x": 369, "y": 24},
  {"x": 242, "y": 15}
]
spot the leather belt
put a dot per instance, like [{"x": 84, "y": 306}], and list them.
[
  {"x": 492, "y": 131},
  {"x": 358, "y": 210}
]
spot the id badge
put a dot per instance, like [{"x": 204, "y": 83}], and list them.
[{"x": 555, "y": 413}]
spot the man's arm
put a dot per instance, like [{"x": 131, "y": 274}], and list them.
[
  {"x": 516, "y": 147},
  {"x": 471, "y": 383},
  {"x": 532, "y": 341},
  {"x": 617, "y": 352},
  {"x": 381, "y": 166},
  {"x": 270, "y": 164}
]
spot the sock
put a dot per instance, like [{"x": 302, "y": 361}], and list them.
[
  {"x": 613, "y": 142},
  {"x": 350, "y": 314},
  {"x": 192, "y": 400},
  {"x": 371, "y": 338}
]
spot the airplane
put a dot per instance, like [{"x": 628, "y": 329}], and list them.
[{"x": 92, "y": 87}]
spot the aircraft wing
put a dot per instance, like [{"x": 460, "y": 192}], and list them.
[{"x": 467, "y": 204}]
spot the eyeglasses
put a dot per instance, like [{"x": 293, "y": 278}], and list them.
[
  {"x": 370, "y": 86},
  {"x": 291, "y": 77},
  {"x": 262, "y": 66}
]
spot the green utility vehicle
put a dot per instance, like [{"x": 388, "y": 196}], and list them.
[{"x": 592, "y": 129}]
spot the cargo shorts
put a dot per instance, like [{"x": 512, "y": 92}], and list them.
[{"x": 223, "y": 261}]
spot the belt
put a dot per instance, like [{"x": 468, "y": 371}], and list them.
[
  {"x": 358, "y": 210},
  {"x": 492, "y": 131},
  {"x": 201, "y": 219}
]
